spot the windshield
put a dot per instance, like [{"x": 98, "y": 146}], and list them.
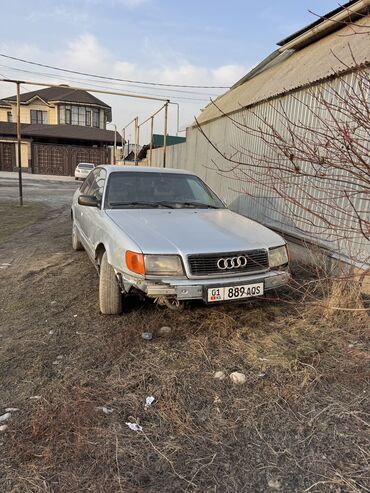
[
  {"x": 152, "y": 190},
  {"x": 85, "y": 166}
]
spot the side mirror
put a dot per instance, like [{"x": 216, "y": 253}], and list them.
[{"x": 88, "y": 200}]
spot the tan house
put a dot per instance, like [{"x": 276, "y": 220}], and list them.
[{"x": 60, "y": 127}]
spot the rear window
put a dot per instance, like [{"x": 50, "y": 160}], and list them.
[{"x": 86, "y": 166}]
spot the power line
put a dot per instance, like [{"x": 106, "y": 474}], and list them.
[
  {"x": 78, "y": 79},
  {"x": 110, "y": 78},
  {"x": 183, "y": 99}
]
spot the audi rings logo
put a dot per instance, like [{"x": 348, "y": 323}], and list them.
[{"x": 232, "y": 263}]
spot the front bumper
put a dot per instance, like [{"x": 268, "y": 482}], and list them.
[{"x": 196, "y": 289}]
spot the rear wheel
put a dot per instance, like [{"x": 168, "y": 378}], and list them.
[
  {"x": 110, "y": 296},
  {"x": 76, "y": 244}
]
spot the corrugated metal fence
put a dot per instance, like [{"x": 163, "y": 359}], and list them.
[{"x": 242, "y": 188}]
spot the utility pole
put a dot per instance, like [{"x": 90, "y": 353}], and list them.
[
  {"x": 19, "y": 158},
  {"x": 165, "y": 133},
  {"x": 177, "y": 118},
  {"x": 135, "y": 120},
  {"x": 151, "y": 140},
  {"x": 115, "y": 144},
  {"x": 123, "y": 137},
  {"x": 136, "y": 139}
]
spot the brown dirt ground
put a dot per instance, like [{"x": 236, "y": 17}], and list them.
[{"x": 299, "y": 423}]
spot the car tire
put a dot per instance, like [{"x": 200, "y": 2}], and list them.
[
  {"x": 110, "y": 296},
  {"x": 76, "y": 243}
]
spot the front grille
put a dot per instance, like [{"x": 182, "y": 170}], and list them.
[{"x": 206, "y": 264}]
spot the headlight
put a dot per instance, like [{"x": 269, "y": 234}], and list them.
[
  {"x": 278, "y": 256},
  {"x": 163, "y": 265}
]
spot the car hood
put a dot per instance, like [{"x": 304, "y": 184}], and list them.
[{"x": 192, "y": 231}]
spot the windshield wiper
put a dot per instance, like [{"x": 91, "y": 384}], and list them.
[
  {"x": 197, "y": 204},
  {"x": 155, "y": 205}
]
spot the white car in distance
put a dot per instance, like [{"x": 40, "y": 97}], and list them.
[{"x": 82, "y": 170}]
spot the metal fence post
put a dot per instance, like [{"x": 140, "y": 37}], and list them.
[
  {"x": 151, "y": 140},
  {"x": 165, "y": 134}
]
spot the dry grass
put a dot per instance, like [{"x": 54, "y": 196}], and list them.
[
  {"x": 300, "y": 422},
  {"x": 300, "y": 417},
  {"x": 15, "y": 217}
]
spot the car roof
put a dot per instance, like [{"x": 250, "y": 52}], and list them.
[
  {"x": 112, "y": 168},
  {"x": 90, "y": 164}
]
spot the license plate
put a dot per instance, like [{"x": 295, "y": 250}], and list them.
[{"x": 235, "y": 292}]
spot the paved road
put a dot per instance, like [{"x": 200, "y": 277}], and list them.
[{"x": 55, "y": 191}]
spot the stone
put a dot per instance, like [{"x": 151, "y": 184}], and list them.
[
  {"x": 237, "y": 377},
  {"x": 274, "y": 484},
  {"x": 219, "y": 375},
  {"x": 164, "y": 330},
  {"x": 106, "y": 410},
  {"x": 4, "y": 417}
]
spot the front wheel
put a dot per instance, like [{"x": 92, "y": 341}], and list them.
[{"x": 110, "y": 296}]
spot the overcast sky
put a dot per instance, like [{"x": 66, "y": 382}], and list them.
[{"x": 197, "y": 42}]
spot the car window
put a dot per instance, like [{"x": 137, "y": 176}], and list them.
[
  {"x": 85, "y": 166},
  {"x": 87, "y": 184},
  {"x": 97, "y": 185},
  {"x": 167, "y": 189},
  {"x": 198, "y": 191}
]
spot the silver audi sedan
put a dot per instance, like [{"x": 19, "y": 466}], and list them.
[{"x": 164, "y": 234}]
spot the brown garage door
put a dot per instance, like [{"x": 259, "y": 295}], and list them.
[
  {"x": 57, "y": 159},
  {"x": 7, "y": 156},
  {"x": 96, "y": 155},
  {"x": 50, "y": 159}
]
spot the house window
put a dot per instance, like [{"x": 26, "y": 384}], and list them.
[
  {"x": 95, "y": 118},
  {"x": 9, "y": 116},
  {"x": 62, "y": 114},
  {"x": 82, "y": 115},
  {"x": 79, "y": 115},
  {"x": 74, "y": 115},
  {"x": 88, "y": 118},
  {"x": 39, "y": 117},
  {"x": 68, "y": 115}
]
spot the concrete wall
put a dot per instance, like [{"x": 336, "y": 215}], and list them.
[{"x": 4, "y": 114}]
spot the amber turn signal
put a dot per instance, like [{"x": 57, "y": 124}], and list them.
[{"x": 135, "y": 262}]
